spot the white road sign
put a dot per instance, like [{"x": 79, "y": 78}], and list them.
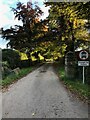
[
  {"x": 83, "y": 63},
  {"x": 83, "y": 55}
]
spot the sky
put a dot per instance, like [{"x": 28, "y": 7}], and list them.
[{"x": 7, "y": 16}]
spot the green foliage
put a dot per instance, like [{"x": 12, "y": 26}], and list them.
[
  {"x": 12, "y": 57},
  {"x": 50, "y": 50},
  {"x": 65, "y": 29},
  {"x": 5, "y": 69},
  {"x": 69, "y": 19},
  {"x": 14, "y": 77},
  {"x": 76, "y": 86},
  {"x": 24, "y": 37}
]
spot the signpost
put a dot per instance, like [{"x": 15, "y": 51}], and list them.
[
  {"x": 83, "y": 56},
  {"x": 83, "y": 63}
]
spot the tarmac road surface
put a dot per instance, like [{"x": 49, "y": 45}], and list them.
[{"x": 40, "y": 94}]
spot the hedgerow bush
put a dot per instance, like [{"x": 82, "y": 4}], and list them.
[{"x": 12, "y": 57}]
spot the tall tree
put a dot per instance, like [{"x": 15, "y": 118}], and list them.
[
  {"x": 23, "y": 36},
  {"x": 66, "y": 17}
]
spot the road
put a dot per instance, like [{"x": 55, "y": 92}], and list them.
[{"x": 40, "y": 94}]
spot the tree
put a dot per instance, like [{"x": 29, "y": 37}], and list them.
[
  {"x": 12, "y": 58},
  {"x": 64, "y": 31},
  {"x": 26, "y": 37},
  {"x": 22, "y": 37},
  {"x": 65, "y": 16}
]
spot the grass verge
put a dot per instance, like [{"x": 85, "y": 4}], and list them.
[
  {"x": 75, "y": 86},
  {"x": 14, "y": 77}
]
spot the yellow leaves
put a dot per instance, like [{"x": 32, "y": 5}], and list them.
[
  {"x": 33, "y": 58},
  {"x": 63, "y": 38},
  {"x": 41, "y": 57},
  {"x": 75, "y": 23},
  {"x": 23, "y": 56},
  {"x": 80, "y": 31},
  {"x": 82, "y": 34}
]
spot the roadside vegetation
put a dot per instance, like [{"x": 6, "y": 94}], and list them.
[
  {"x": 11, "y": 78},
  {"x": 14, "y": 68},
  {"x": 75, "y": 86},
  {"x": 64, "y": 30}
]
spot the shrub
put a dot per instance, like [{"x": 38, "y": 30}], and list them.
[
  {"x": 12, "y": 57},
  {"x": 5, "y": 69}
]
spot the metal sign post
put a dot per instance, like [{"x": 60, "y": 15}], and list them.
[
  {"x": 83, "y": 75},
  {"x": 83, "y": 64},
  {"x": 83, "y": 55}
]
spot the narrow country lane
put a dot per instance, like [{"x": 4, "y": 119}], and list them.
[{"x": 41, "y": 95}]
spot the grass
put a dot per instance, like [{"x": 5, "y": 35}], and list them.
[
  {"x": 14, "y": 77},
  {"x": 74, "y": 85}
]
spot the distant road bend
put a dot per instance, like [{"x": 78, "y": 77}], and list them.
[{"x": 41, "y": 95}]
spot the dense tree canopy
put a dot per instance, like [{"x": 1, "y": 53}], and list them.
[
  {"x": 25, "y": 36},
  {"x": 62, "y": 31},
  {"x": 69, "y": 19}
]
